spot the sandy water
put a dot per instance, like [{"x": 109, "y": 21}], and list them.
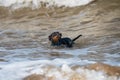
[{"x": 26, "y": 54}]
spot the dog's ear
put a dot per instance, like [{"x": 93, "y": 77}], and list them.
[
  {"x": 60, "y": 34},
  {"x": 50, "y": 37}
]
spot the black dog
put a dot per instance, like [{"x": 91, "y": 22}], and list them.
[{"x": 56, "y": 40}]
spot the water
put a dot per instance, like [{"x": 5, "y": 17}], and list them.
[
  {"x": 26, "y": 54},
  {"x": 37, "y": 3}
]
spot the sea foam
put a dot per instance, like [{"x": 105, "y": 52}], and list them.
[
  {"x": 15, "y": 4},
  {"x": 20, "y": 70}
]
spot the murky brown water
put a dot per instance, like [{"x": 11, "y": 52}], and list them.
[{"x": 24, "y": 34}]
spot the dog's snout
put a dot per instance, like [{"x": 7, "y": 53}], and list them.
[{"x": 55, "y": 38}]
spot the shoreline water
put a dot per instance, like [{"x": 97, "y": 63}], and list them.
[{"x": 25, "y": 52}]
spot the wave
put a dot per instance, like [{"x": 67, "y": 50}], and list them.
[
  {"x": 46, "y": 70},
  {"x": 15, "y": 4}
]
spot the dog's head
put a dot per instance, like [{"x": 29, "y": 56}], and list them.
[{"x": 55, "y": 36}]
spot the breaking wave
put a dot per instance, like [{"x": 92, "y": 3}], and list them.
[
  {"x": 15, "y": 4},
  {"x": 47, "y": 70}
]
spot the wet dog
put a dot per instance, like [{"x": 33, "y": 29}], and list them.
[{"x": 57, "y": 40}]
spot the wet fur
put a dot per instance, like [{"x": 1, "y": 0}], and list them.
[{"x": 57, "y": 40}]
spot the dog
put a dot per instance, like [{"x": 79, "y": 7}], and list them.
[{"x": 57, "y": 40}]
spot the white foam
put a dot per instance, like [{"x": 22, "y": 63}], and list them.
[
  {"x": 19, "y": 70},
  {"x": 69, "y": 61},
  {"x": 66, "y": 68},
  {"x": 75, "y": 52},
  {"x": 37, "y": 3}
]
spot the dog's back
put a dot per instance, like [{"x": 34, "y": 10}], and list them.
[{"x": 66, "y": 41}]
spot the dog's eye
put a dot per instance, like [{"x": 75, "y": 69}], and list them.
[{"x": 53, "y": 35}]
